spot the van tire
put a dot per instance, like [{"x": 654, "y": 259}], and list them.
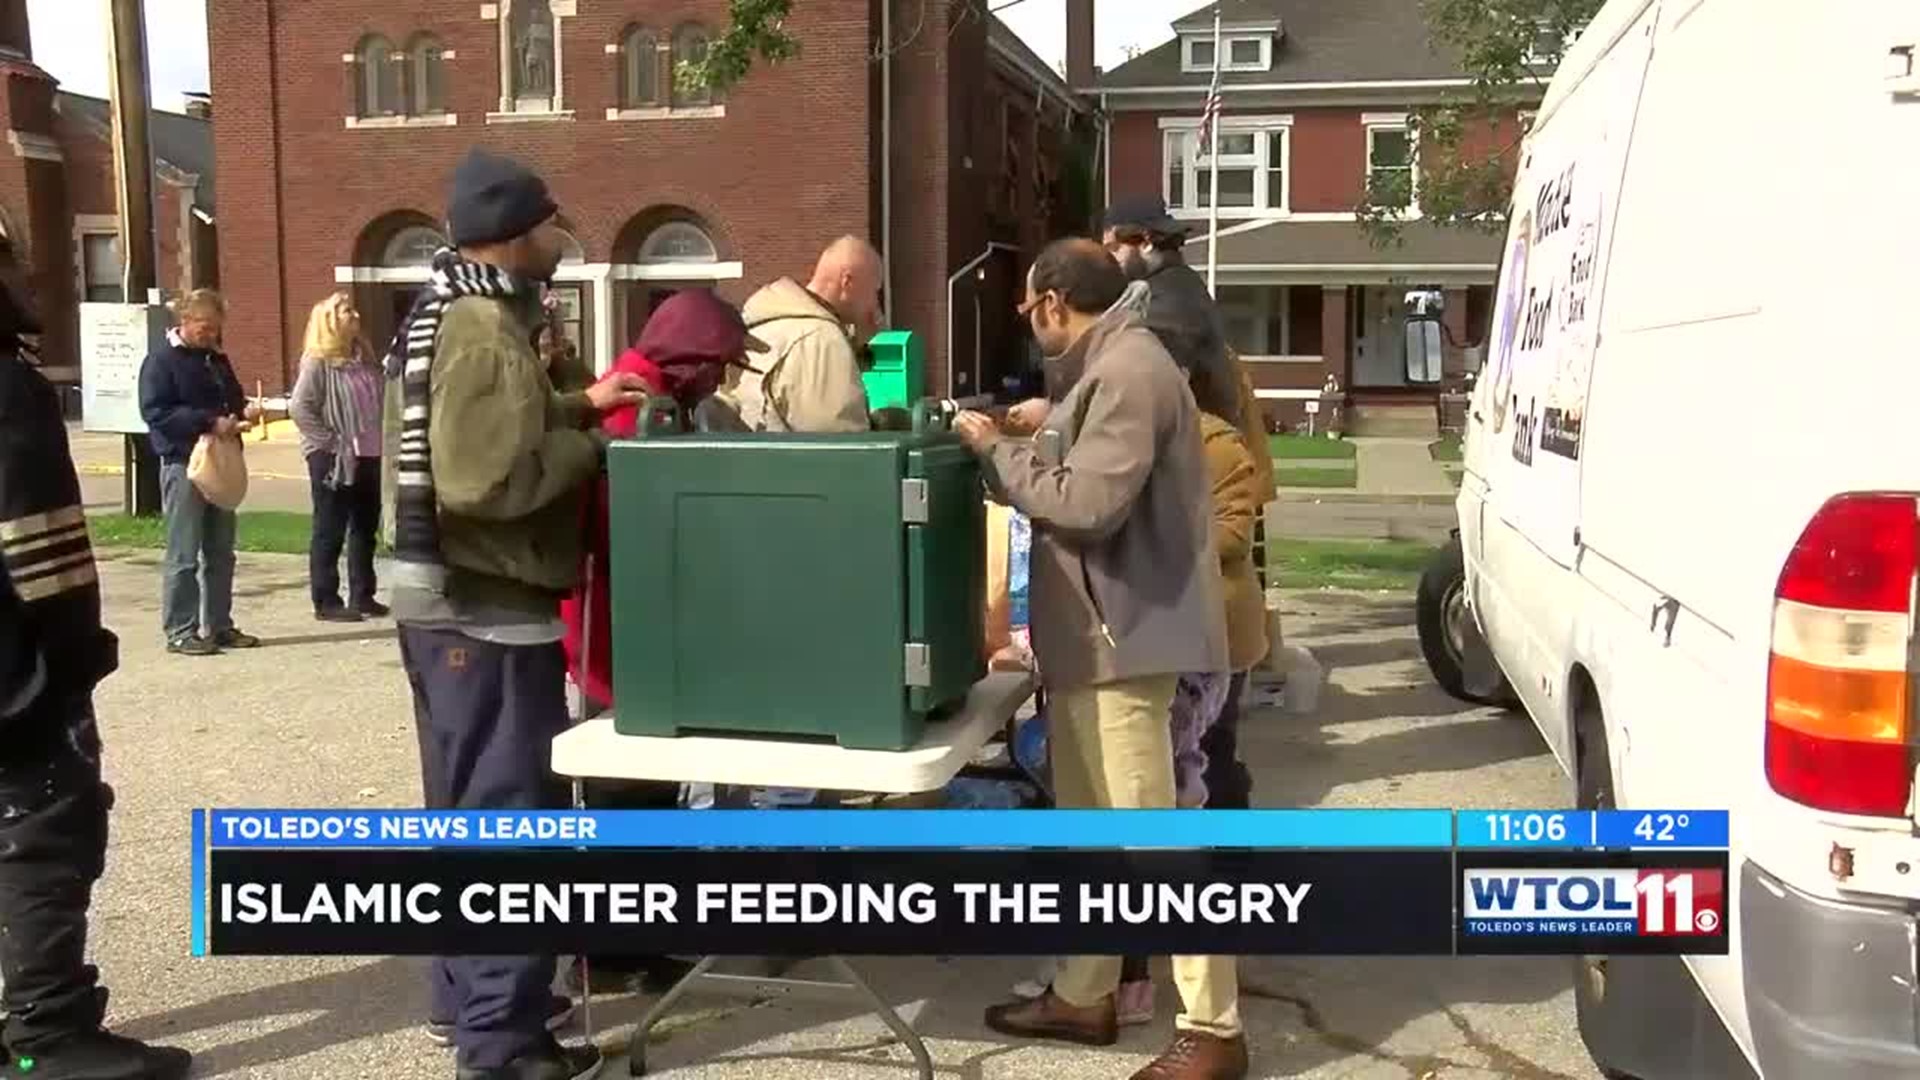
[
  {"x": 1593, "y": 786},
  {"x": 1440, "y": 601}
]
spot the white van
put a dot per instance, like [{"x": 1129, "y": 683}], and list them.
[{"x": 1688, "y": 531}]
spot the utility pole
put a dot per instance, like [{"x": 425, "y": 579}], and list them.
[{"x": 133, "y": 190}]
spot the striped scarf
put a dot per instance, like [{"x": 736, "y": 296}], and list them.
[
  {"x": 417, "y": 562},
  {"x": 340, "y": 408}
]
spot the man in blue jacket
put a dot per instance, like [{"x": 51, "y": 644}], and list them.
[
  {"x": 53, "y": 651},
  {"x": 188, "y": 389}
]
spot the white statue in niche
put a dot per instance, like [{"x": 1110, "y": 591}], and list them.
[{"x": 533, "y": 40}]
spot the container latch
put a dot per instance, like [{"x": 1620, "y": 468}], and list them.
[
  {"x": 919, "y": 665},
  {"x": 913, "y": 502}
]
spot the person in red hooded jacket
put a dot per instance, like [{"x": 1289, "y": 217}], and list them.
[{"x": 683, "y": 354}]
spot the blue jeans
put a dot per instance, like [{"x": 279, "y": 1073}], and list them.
[{"x": 196, "y": 581}]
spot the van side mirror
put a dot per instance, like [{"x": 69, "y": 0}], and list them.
[
  {"x": 1423, "y": 351},
  {"x": 1425, "y": 342}
]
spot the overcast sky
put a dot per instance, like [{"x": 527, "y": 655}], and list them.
[{"x": 70, "y": 38}]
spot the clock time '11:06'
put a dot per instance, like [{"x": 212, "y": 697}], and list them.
[{"x": 1527, "y": 828}]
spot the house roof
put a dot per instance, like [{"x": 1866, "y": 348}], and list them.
[
  {"x": 1335, "y": 245},
  {"x": 182, "y": 143},
  {"x": 1001, "y": 36},
  {"x": 1322, "y": 41}
]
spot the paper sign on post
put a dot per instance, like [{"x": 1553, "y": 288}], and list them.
[
  {"x": 114, "y": 341},
  {"x": 1312, "y": 407}
]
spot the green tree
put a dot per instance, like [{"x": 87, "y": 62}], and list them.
[
  {"x": 1509, "y": 48},
  {"x": 755, "y": 27}
]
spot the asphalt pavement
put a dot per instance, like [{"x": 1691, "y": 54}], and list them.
[{"x": 319, "y": 717}]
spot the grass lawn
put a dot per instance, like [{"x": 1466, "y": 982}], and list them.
[
  {"x": 1297, "y": 564},
  {"x": 278, "y": 532},
  {"x": 1288, "y": 447},
  {"x": 1393, "y": 565},
  {"x": 1310, "y": 477},
  {"x": 1447, "y": 449}
]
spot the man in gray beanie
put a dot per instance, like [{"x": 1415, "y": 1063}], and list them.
[{"x": 493, "y": 470}]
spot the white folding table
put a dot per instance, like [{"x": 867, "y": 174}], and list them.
[{"x": 595, "y": 751}]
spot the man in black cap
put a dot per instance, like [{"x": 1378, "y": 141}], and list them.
[
  {"x": 53, "y": 651},
  {"x": 493, "y": 471},
  {"x": 1147, "y": 243}
]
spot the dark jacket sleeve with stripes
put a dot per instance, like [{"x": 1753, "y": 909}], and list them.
[{"x": 52, "y": 644}]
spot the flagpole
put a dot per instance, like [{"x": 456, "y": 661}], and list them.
[{"x": 1213, "y": 174}]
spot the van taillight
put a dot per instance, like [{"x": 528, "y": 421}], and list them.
[{"x": 1837, "y": 683}]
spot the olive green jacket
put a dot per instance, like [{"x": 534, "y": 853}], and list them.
[{"x": 512, "y": 458}]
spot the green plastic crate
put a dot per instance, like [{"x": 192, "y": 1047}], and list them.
[
  {"x": 831, "y": 586},
  {"x": 898, "y": 377}
]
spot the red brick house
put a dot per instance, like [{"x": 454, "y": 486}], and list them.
[
  {"x": 57, "y": 199},
  {"x": 928, "y": 128},
  {"x": 1315, "y": 99}
]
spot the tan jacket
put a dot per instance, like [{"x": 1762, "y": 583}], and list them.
[
  {"x": 809, "y": 378},
  {"x": 1237, "y": 500},
  {"x": 1123, "y": 569}
]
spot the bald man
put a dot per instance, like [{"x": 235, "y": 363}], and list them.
[{"x": 809, "y": 380}]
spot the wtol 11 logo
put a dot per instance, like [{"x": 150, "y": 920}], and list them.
[{"x": 1625, "y": 902}]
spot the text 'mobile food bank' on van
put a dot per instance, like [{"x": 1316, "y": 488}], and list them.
[{"x": 1688, "y": 527}]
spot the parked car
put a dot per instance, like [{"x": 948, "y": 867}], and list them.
[{"x": 1688, "y": 526}]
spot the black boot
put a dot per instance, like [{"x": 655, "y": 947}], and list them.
[{"x": 99, "y": 1055}]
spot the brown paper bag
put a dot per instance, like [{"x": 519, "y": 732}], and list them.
[
  {"x": 999, "y": 605},
  {"x": 218, "y": 468}
]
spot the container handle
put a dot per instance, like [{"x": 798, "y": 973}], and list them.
[
  {"x": 659, "y": 416},
  {"x": 933, "y": 415}
]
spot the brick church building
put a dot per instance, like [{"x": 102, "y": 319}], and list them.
[{"x": 927, "y": 127}]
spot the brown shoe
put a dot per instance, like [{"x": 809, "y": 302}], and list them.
[
  {"x": 1196, "y": 1055},
  {"x": 1049, "y": 1017}
]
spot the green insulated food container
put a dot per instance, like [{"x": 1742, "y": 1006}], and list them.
[{"x": 830, "y": 586}]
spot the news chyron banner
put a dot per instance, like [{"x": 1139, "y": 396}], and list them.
[{"x": 958, "y": 882}]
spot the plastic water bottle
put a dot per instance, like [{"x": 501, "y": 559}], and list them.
[
  {"x": 1019, "y": 554},
  {"x": 698, "y": 797}
]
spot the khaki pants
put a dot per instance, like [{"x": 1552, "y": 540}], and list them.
[{"x": 1112, "y": 748}]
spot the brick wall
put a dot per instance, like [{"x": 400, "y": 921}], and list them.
[
  {"x": 784, "y": 172},
  {"x": 89, "y": 179},
  {"x": 33, "y": 198}
]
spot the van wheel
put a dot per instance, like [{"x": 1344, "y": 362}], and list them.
[
  {"x": 1594, "y": 788},
  {"x": 1451, "y": 643}
]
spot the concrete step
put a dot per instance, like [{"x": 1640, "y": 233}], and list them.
[{"x": 1395, "y": 421}]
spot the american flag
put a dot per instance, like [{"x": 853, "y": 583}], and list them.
[{"x": 1211, "y": 113}]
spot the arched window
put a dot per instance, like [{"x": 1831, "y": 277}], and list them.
[
  {"x": 689, "y": 49},
  {"x": 640, "y": 69},
  {"x": 413, "y": 245},
  {"x": 534, "y": 60},
  {"x": 570, "y": 249},
  {"x": 377, "y": 79},
  {"x": 427, "y": 76},
  {"x": 678, "y": 242}
]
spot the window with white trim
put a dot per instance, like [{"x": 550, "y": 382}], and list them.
[
  {"x": 1391, "y": 176},
  {"x": 1244, "y": 52},
  {"x": 678, "y": 242},
  {"x": 100, "y": 268},
  {"x": 377, "y": 70},
  {"x": 1253, "y": 169}
]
